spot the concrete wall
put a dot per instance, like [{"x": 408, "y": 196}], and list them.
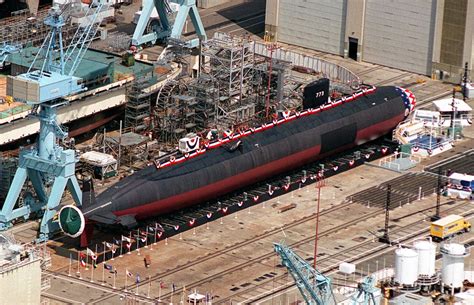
[
  {"x": 210, "y": 3},
  {"x": 412, "y": 35},
  {"x": 316, "y": 24},
  {"x": 468, "y": 52},
  {"x": 271, "y": 19},
  {"x": 33, "y": 6},
  {"x": 400, "y": 34},
  {"x": 21, "y": 285},
  {"x": 354, "y": 24},
  {"x": 454, "y": 39}
]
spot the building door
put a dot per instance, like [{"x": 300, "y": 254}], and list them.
[{"x": 353, "y": 45}]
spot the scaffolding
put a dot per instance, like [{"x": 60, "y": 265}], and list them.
[
  {"x": 205, "y": 94},
  {"x": 118, "y": 41},
  {"x": 27, "y": 30},
  {"x": 137, "y": 111},
  {"x": 230, "y": 91},
  {"x": 174, "y": 114},
  {"x": 230, "y": 61}
]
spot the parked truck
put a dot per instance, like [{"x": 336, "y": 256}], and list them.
[{"x": 449, "y": 226}]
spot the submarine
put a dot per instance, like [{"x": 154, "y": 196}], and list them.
[{"x": 206, "y": 170}]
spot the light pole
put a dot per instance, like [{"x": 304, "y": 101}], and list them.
[{"x": 319, "y": 185}]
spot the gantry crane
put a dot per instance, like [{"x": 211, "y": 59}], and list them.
[
  {"x": 49, "y": 167},
  {"x": 314, "y": 286},
  {"x": 163, "y": 29}
]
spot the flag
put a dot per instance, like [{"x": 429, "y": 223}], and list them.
[
  {"x": 82, "y": 255},
  {"x": 162, "y": 285},
  {"x": 129, "y": 245},
  {"x": 109, "y": 267},
  {"x": 129, "y": 274},
  {"x": 144, "y": 233},
  {"x": 137, "y": 280},
  {"x": 116, "y": 241},
  {"x": 91, "y": 254},
  {"x": 83, "y": 263},
  {"x": 159, "y": 228},
  {"x": 143, "y": 239},
  {"x": 151, "y": 229},
  {"x": 124, "y": 238},
  {"x": 108, "y": 245},
  {"x": 173, "y": 287}
]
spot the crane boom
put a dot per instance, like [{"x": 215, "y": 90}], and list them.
[{"x": 313, "y": 285}]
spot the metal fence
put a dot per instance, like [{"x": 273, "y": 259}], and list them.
[{"x": 334, "y": 72}]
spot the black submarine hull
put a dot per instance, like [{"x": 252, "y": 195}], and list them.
[{"x": 266, "y": 151}]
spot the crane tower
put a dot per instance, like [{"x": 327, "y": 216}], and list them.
[
  {"x": 163, "y": 29},
  {"x": 49, "y": 167}
]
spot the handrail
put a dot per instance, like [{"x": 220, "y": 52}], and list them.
[{"x": 334, "y": 72}]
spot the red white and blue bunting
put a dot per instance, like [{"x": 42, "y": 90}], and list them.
[{"x": 230, "y": 135}]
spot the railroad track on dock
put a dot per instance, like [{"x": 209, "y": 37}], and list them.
[
  {"x": 355, "y": 255},
  {"x": 259, "y": 260}
]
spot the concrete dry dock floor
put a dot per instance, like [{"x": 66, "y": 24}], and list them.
[
  {"x": 235, "y": 228},
  {"x": 190, "y": 259},
  {"x": 194, "y": 255}
]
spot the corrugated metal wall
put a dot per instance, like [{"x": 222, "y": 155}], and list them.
[
  {"x": 400, "y": 34},
  {"x": 315, "y": 24}
]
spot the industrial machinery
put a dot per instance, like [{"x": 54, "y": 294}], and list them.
[
  {"x": 7, "y": 49},
  {"x": 366, "y": 293},
  {"x": 406, "y": 268},
  {"x": 48, "y": 166},
  {"x": 314, "y": 286},
  {"x": 452, "y": 274},
  {"x": 163, "y": 29}
]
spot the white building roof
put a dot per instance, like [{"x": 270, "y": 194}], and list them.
[
  {"x": 445, "y": 105},
  {"x": 97, "y": 158},
  {"x": 447, "y": 220},
  {"x": 458, "y": 176}
]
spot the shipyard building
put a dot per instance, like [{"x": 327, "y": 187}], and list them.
[{"x": 429, "y": 37}]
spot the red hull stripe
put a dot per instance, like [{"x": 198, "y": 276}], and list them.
[
  {"x": 92, "y": 126},
  {"x": 251, "y": 176}
]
